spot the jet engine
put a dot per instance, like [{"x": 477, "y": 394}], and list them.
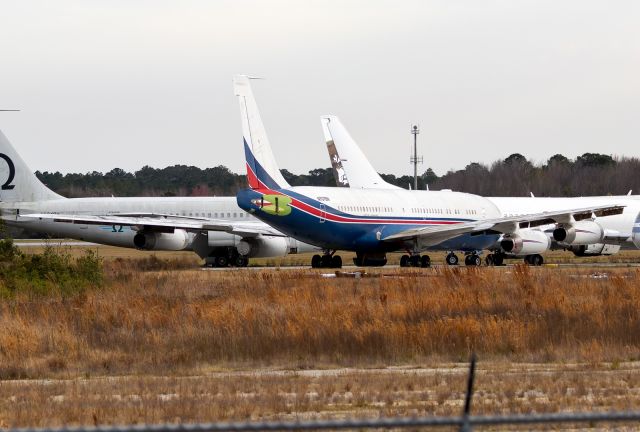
[
  {"x": 150, "y": 240},
  {"x": 263, "y": 246},
  {"x": 596, "y": 249},
  {"x": 579, "y": 233},
  {"x": 635, "y": 233},
  {"x": 525, "y": 242}
]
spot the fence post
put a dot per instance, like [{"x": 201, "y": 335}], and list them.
[{"x": 466, "y": 426}]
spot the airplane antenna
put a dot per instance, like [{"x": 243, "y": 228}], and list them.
[{"x": 415, "y": 159}]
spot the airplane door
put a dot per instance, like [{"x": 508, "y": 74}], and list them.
[{"x": 323, "y": 212}]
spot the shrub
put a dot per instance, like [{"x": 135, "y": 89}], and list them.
[{"x": 52, "y": 271}]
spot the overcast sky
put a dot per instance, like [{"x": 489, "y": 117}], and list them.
[{"x": 115, "y": 83}]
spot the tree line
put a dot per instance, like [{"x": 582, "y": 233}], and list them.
[{"x": 589, "y": 174}]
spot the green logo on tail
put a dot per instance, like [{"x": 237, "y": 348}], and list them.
[{"x": 274, "y": 204}]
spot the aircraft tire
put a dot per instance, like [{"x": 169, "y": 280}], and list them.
[
  {"x": 222, "y": 261},
  {"x": 452, "y": 259},
  {"x": 425, "y": 261},
  {"x": 404, "y": 261},
  {"x": 536, "y": 260},
  {"x": 473, "y": 260},
  {"x": 488, "y": 260},
  {"x": 336, "y": 261},
  {"x": 316, "y": 261}
]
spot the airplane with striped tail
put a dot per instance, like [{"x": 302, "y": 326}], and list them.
[
  {"x": 588, "y": 237},
  {"x": 373, "y": 222}
]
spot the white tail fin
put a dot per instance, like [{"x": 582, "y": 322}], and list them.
[
  {"x": 262, "y": 170},
  {"x": 351, "y": 168},
  {"x": 19, "y": 183}
]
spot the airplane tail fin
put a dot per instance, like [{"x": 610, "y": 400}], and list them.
[
  {"x": 262, "y": 170},
  {"x": 19, "y": 183},
  {"x": 351, "y": 168}
]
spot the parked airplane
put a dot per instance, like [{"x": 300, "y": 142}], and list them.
[
  {"x": 592, "y": 236},
  {"x": 372, "y": 222},
  {"x": 213, "y": 227}
]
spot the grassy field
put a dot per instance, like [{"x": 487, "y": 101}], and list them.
[
  {"x": 161, "y": 341},
  {"x": 268, "y": 394}
]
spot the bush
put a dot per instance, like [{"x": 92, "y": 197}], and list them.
[{"x": 53, "y": 271}]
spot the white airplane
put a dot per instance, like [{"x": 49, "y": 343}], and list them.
[
  {"x": 213, "y": 227},
  {"x": 372, "y": 222},
  {"x": 597, "y": 235}
]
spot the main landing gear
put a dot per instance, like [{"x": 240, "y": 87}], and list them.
[
  {"x": 226, "y": 258},
  {"x": 534, "y": 260},
  {"x": 494, "y": 259},
  {"x": 327, "y": 260},
  {"x": 470, "y": 259},
  {"x": 415, "y": 261}
]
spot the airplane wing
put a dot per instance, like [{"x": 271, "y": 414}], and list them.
[
  {"x": 432, "y": 235},
  {"x": 163, "y": 223}
]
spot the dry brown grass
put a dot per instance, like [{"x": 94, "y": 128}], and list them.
[
  {"x": 270, "y": 395},
  {"x": 172, "y": 322}
]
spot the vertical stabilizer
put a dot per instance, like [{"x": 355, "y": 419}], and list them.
[
  {"x": 17, "y": 182},
  {"x": 351, "y": 168},
  {"x": 262, "y": 170}
]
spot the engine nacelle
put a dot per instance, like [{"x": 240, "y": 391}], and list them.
[
  {"x": 525, "y": 242},
  {"x": 222, "y": 239},
  {"x": 263, "y": 246},
  {"x": 594, "y": 249},
  {"x": 149, "y": 240},
  {"x": 635, "y": 236},
  {"x": 579, "y": 233}
]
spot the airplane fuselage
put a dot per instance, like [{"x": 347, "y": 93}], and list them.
[
  {"x": 348, "y": 219},
  {"x": 115, "y": 235}
]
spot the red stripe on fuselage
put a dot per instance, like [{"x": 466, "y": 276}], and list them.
[{"x": 302, "y": 206}]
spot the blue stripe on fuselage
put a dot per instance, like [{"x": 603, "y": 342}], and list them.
[{"x": 349, "y": 236}]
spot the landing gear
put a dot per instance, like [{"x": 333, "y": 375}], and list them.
[
  {"x": 452, "y": 259},
  {"x": 494, "y": 259},
  {"x": 226, "y": 257},
  {"x": 370, "y": 259},
  {"x": 472, "y": 260},
  {"x": 415, "y": 261},
  {"x": 328, "y": 260},
  {"x": 534, "y": 260},
  {"x": 241, "y": 261}
]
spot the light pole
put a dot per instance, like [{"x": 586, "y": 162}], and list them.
[{"x": 415, "y": 159}]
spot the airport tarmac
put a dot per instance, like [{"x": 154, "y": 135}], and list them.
[
  {"x": 351, "y": 269},
  {"x": 558, "y": 259}
]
